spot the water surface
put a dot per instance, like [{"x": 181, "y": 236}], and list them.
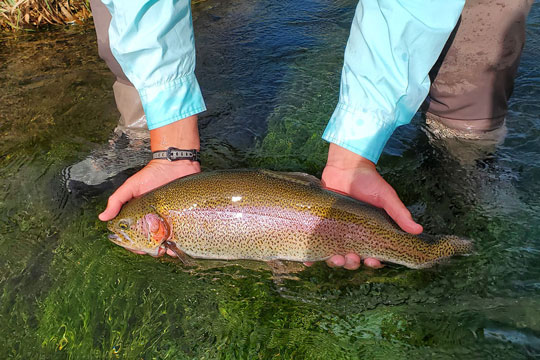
[{"x": 270, "y": 75}]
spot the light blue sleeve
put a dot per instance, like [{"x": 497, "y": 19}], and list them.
[
  {"x": 153, "y": 43},
  {"x": 392, "y": 46}
]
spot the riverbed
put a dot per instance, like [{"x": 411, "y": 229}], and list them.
[{"x": 269, "y": 72}]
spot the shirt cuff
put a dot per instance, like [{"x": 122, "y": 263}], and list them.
[
  {"x": 166, "y": 103},
  {"x": 360, "y": 131}
]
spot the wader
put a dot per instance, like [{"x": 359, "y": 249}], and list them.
[
  {"x": 473, "y": 79},
  {"x": 132, "y": 118},
  {"x": 471, "y": 82}
]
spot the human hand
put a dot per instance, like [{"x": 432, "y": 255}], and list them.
[
  {"x": 182, "y": 134},
  {"x": 351, "y": 174},
  {"x": 155, "y": 174}
]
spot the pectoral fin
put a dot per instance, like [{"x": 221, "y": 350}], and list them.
[{"x": 186, "y": 260}]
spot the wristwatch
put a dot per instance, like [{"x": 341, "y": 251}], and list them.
[{"x": 173, "y": 154}]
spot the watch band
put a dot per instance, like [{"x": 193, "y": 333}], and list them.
[{"x": 173, "y": 154}]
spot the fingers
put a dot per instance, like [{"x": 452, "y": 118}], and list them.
[
  {"x": 336, "y": 261},
  {"x": 397, "y": 211},
  {"x": 352, "y": 262},
  {"x": 121, "y": 196},
  {"x": 373, "y": 263}
]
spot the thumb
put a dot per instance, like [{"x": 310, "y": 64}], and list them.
[
  {"x": 121, "y": 196},
  {"x": 399, "y": 213}
]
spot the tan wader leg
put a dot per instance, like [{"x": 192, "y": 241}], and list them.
[
  {"x": 474, "y": 77},
  {"x": 109, "y": 166},
  {"x": 132, "y": 118}
]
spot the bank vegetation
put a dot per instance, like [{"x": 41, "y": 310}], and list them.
[{"x": 34, "y": 14}]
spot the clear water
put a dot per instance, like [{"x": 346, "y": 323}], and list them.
[{"x": 270, "y": 74}]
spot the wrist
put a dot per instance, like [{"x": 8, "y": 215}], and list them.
[
  {"x": 343, "y": 159},
  {"x": 182, "y": 134},
  {"x": 179, "y": 167},
  {"x": 175, "y": 154},
  {"x": 342, "y": 167}
]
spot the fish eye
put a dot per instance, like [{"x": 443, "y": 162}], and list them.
[{"x": 123, "y": 226}]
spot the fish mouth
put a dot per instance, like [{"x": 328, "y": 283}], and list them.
[
  {"x": 118, "y": 240},
  {"x": 153, "y": 252}
]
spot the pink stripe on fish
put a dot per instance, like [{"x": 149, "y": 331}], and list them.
[{"x": 262, "y": 233}]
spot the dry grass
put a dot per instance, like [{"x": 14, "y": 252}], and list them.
[{"x": 27, "y": 14}]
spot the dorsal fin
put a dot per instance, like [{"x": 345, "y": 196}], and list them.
[{"x": 297, "y": 177}]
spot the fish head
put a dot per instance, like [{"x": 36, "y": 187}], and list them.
[{"x": 138, "y": 230}]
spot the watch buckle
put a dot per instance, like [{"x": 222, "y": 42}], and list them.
[{"x": 169, "y": 153}]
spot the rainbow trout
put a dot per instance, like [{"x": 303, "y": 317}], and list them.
[{"x": 264, "y": 215}]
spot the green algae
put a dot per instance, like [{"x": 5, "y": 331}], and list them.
[{"x": 293, "y": 140}]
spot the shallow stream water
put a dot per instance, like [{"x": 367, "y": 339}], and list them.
[{"x": 270, "y": 75}]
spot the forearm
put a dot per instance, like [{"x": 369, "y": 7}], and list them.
[
  {"x": 182, "y": 134},
  {"x": 154, "y": 44},
  {"x": 391, "y": 49}
]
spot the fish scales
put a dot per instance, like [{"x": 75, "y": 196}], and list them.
[{"x": 263, "y": 215}]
